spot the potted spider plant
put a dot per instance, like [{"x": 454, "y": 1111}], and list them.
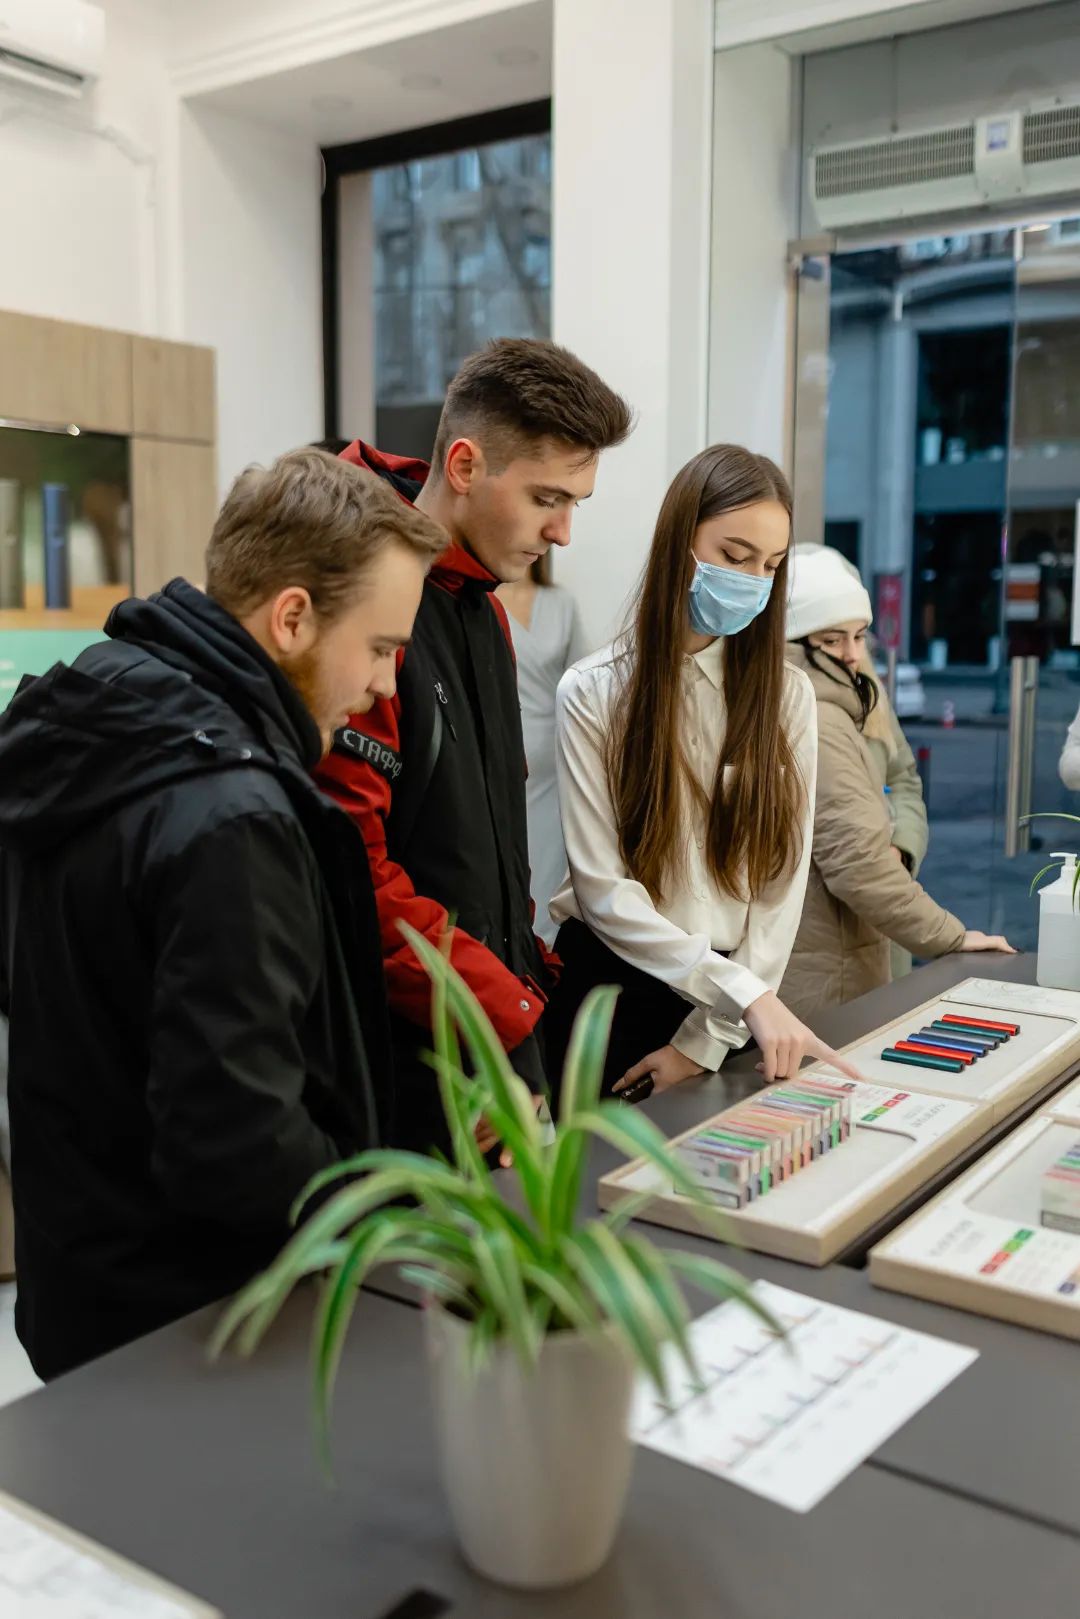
[{"x": 537, "y": 1320}]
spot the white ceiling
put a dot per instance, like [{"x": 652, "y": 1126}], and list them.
[{"x": 494, "y": 61}]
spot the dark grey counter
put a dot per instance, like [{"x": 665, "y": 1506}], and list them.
[{"x": 205, "y": 1474}]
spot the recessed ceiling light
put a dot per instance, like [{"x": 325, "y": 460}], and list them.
[
  {"x": 420, "y": 81},
  {"x": 331, "y": 103},
  {"x": 517, "y": 56}
]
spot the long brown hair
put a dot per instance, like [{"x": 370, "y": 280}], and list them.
[{"x": 753, "y": 816}]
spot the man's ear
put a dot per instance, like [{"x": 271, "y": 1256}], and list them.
[
  {"x": 291, "y": 622},
  {"x": 464, "y": 464}
]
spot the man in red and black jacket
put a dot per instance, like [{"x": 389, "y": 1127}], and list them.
[{"x": 435, "y": 777}]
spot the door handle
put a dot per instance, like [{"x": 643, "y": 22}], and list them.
[{"x": 1023, "y": 688}]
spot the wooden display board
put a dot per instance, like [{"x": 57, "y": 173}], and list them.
[
  {"x": 1066, "y": 1105},
  {"x": 901, "y": 1139},
  {"x": 979, "y": 1245},
  {"x": 910, "y": 1124},
  {"x": 1047, "y": 1046}
]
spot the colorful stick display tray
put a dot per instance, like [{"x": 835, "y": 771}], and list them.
[
  {"x": 803, "y": 1168},
  {"x": 1060, "y": 1200},
  {"x": 744, "y": 1153},
  {"x": 1001, "y": 1239},
  {"x": 984, "y": 1041}
]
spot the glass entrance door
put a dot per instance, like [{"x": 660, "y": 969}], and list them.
[
  {"x": 937, "y": 444},
  {"x": 1039, "y": 680}
]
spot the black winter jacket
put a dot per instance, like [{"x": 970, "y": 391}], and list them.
[{"x": 178, "y": 959}]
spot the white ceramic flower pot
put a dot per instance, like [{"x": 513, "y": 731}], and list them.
[{"x": 535, "y": 1462}]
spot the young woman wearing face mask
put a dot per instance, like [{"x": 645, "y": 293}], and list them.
[
  {"x": 686, "y": 756},
  {"x": 861, "y": 892}
]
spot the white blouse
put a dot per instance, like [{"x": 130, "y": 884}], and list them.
[{"x": 679, "y": 944}]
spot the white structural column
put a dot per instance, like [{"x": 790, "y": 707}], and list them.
[
  {"x": 754, "y": 211},
  {"x": 892, "y": 545},
  {"x": 630, "y": 213}
]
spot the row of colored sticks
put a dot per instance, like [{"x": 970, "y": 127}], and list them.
[{"x": 951, "y": 1043}]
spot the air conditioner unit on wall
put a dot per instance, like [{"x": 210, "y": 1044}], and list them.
[
  {"x": 982, "y": 163},
  {"x": 56, "y": 45}
]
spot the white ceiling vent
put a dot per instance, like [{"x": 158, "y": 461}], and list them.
[{"x": 955, "y": 168}]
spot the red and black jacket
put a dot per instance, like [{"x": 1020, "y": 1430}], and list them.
[{"x": 435, "y": 780}]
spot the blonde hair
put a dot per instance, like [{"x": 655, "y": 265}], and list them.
[{"x": 310, "y": 520}]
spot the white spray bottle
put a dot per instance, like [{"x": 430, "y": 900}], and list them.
[{"x": 1059, "y": 930}]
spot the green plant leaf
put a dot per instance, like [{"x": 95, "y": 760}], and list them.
[
  {"x": 583, "y": 1071},
  {"x": 364, "y": 1163},
  {"x": 332, "y": 1321},
  {"x": 629, "y": 1206},
  {"x": 722, "y": 1282},
  {"x": 504, "y": 1289},
  {"x": 493, "y": 1071},
  {"x": 263, "y": 1297},
  {"x": 608, "y": 1273},
  {"x": 631, "y": 1133},
  {"x": 530, "y": 1167},
  {"x": 582, "y": 1077},
  {"x": 564, "y": 1291},
  {"x": 241, "y": 1307},
  {"x": 1039, "y": 875},
  {"x": 668, "y": 1298},
  {"x": 437, "y": 1285},
  {"x": 484, "y": 1332}
]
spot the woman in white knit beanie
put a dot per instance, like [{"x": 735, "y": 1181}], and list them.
[{"x": 861, "y": 893}]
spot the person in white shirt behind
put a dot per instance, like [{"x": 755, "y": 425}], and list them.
[
  {"x": 687, "y": 754},
  {"x": 1069, "y": 763}
]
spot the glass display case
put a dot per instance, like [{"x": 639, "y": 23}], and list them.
[{"x": 66, "y": 552}]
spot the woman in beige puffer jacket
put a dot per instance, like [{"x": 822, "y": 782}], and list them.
[{"x": 860, "y": 894}]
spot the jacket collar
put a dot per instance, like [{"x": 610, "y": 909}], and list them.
[
  {"x": 456, "y": 565},
  {"x": 829, "y": 686}
]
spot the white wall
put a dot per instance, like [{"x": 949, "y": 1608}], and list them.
[
  {"x": 754, "y": 210},
  {"x": 629, "y": 219},
  {"x": 80, "y": 212},
  {"x": 132, "y": 211},
  {"x": 252, "y": 281}
]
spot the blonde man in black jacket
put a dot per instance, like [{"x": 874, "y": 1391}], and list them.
[{"x": 196, "y": 1001}]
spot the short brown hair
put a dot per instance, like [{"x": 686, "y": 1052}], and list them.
[
  {"x": 517, "y": 392},
  {"x": 310, "y": 520}
]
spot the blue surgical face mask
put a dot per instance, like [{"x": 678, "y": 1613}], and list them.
[{"x": 724, "y": 601}]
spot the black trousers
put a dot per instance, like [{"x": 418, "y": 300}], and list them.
[{"x": 647, "y": 1012}]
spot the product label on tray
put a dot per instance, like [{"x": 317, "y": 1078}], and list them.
[
  {"x": 982, "y": 1247},
  {"x": 1017, "y": 998},
  {"x": 880, "y": 1107}
]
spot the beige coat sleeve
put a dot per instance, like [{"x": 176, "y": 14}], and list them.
[
  {"x": 853, "y": 853},
  {"x": 910, "y": 832}
]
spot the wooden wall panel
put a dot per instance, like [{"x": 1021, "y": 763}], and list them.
[
  {"x": 174, "y": 503},
  {"x": 172, "y": 390},
  {"x": 54, "y": 372}
]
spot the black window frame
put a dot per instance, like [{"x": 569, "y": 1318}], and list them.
[{"x": 407, "y": 146}]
